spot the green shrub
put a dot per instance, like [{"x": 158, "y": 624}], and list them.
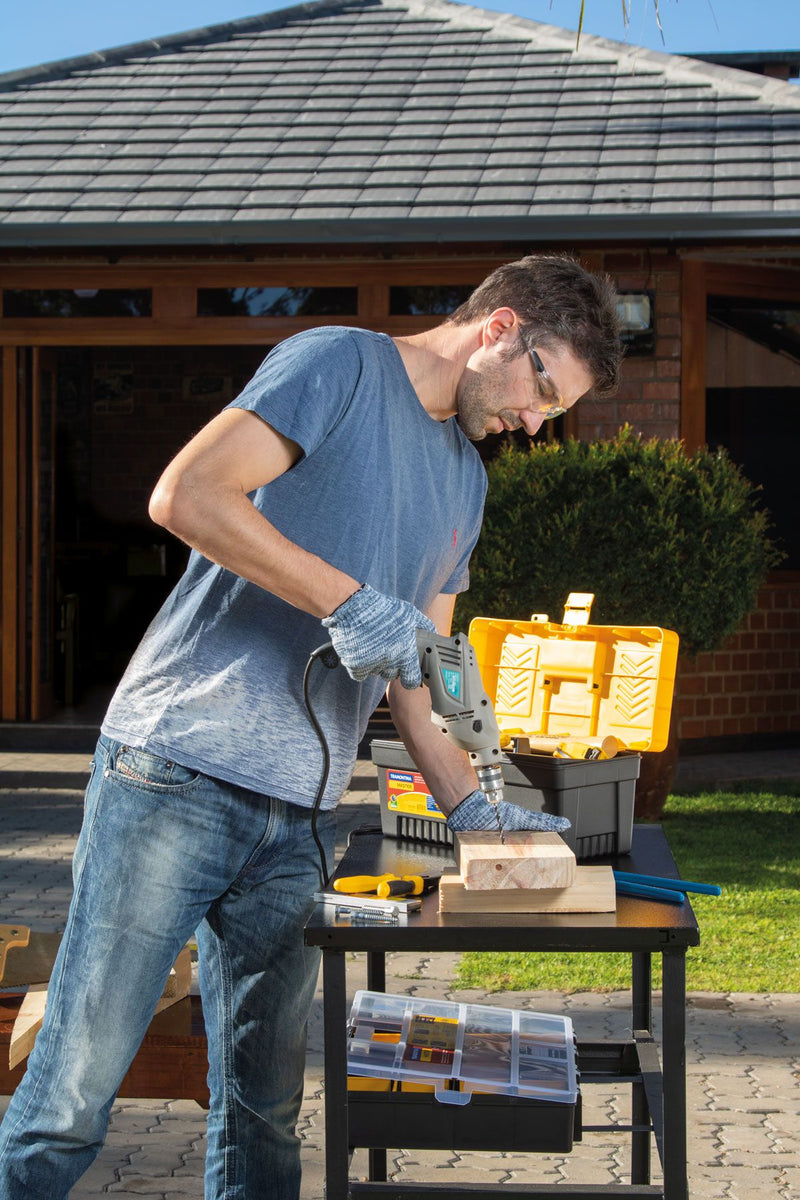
[{"x": 662, "y": 537}]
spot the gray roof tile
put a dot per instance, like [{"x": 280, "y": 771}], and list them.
[
  {"x": 389, "y": 109},
  {"x": 382, "y": 212},
  {"x": 82, "y": 215},
  {"x": 162, "y": 198},
  {"x": 489, "y": 193}
]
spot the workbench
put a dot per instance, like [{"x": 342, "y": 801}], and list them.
[{"x": 638, "y": 927}]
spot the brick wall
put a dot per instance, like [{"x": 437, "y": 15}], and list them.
[
  {"x": 752, "y": 684},
  {"x": 649, "y": 393}
]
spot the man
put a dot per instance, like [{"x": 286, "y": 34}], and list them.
[{"x": 338, "y": 498}]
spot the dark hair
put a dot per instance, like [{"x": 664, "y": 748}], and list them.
[{"x": 556, "y": 300}]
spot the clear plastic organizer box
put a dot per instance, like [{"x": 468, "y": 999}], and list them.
[{"x": 483, "y": 1049}]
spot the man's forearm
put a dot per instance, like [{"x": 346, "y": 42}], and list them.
[{"x": 445, "y": 768}]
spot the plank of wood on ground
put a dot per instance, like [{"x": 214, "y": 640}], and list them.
[
  {"x": 528, "y": 859},
  {"x": 28, "y": 1023}
]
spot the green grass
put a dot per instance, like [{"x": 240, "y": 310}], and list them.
[{"x": 746, "y": 839}]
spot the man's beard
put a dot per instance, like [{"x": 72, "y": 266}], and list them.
[
  {"x": 480, "y": 396},
  {"x": 478, "y": 402}
]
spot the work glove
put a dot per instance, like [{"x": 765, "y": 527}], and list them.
[
  {"x": 476, "y": 812},
  {"x": 374, "y": 634}
]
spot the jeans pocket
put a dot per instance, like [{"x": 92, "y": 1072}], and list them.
[{"x": 146, "y": 769}]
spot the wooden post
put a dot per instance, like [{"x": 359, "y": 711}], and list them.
[
  {"x": 9, "y": 542},
  {"x": 693, "y": 354}
]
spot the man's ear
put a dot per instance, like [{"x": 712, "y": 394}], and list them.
[{"x": 500, "y": 328}]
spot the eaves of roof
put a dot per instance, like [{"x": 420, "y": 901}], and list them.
[{"x": 665, "y": 228}]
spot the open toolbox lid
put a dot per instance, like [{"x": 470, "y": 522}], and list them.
[{"x": 576, "y": 679}]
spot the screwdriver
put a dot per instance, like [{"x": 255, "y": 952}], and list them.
[{"x": 384, "y": 885}]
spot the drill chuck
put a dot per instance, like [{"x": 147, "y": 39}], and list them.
[{"x": 491, "y": 782}]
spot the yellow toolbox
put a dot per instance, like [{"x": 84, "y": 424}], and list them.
[{"x": 574, "y": 683}]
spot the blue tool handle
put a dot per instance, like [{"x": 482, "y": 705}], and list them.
[
  {"x": 647, "y": 892},
  {"x": 678, "y": 885}
]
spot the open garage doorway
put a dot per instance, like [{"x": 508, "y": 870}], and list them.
[{"x": 120, "y": 414}]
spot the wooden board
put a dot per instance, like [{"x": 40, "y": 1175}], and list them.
[
  {"x": 524, "y": 860},
  {"x": 27, "y": 1025},
  {"x": 592, "y": 891}
]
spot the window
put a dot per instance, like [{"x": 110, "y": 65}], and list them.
[
  {"x": 77, "y": 302},
  {"x": 277, "y": 302},
  {"x": 428, "y": 300}
]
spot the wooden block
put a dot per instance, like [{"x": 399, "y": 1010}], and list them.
[
  {"x": 27, "y": 1024},
  {"x": 592, "y": 891},
  {"x": 525, "y": 860},
  {"x": 609, "y": 745},
  {"x": 11, "y": 935}
]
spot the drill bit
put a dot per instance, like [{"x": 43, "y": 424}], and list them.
[
  {"x": 494, "y": 805},
  {"x": 490, "y": 779}
]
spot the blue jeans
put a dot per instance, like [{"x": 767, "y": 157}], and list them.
[{"x": 165, "y": 852}]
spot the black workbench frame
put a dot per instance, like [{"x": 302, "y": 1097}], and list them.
[{"x": 638, "y": 927}]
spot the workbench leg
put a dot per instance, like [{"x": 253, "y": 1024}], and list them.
[
  {"x": 676, "y": 1184},
  {"x": 376, "y": 971},
  {"x": 641, "y": 991},
  {"x": 334, "y": 1017},
  {"x": 642, "y": 1018},
  {"x": 376, "y": 982}
]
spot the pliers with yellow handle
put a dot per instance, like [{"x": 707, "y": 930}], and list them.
[{"x": 385, "y": 885}]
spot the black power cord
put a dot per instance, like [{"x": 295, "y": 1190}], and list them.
[{"x": 330, "y": 659}]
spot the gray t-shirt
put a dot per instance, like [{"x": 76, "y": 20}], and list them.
[{"x": 381, "y": 491}]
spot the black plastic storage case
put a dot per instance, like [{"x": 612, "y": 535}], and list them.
[
  {"x": 596, "y": 796},
  {"x": 380, "y": 1120},
  {"x": 439, "y": 1075}
]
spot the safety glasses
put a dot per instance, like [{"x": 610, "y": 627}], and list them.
[{"x": 547, "y": 387}]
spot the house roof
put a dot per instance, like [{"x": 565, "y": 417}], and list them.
[{"x": 395, "y": 120}]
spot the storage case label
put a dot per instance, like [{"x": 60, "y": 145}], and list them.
[
  {"x": 407, "y": 792},
  {"x": 431, "y": 1039}
]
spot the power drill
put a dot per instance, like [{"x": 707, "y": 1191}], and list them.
[{"x": 460, "y": 706}]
